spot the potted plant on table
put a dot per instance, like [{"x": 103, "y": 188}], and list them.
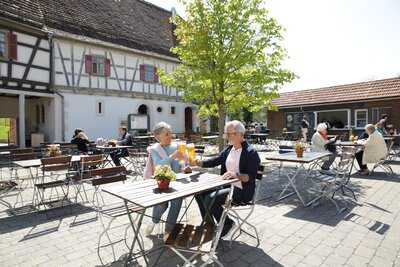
[
  {"x": 164, "y": 175},
  {"x": 299, "y": 148}
]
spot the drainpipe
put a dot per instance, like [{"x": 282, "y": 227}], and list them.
[{"x": 52, "y": 87}]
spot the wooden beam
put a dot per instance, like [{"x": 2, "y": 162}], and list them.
[
  {"x": 81, "y": 67},
  {"x": 115, "y": 70},
  {"x": 134, "y": 74},
  {"x": 31, "y": 58},
  {"x": 63, "y": 64}
]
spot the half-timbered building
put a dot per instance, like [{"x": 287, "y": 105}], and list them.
[
  {"x": 27, "y": 104},
  {"x": 104, "y": 56}
]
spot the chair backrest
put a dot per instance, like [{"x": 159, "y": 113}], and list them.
[
  {"x": 91, "y": 161},
  {"x": 22, "y": 154},
  {"x": 106, "y": 175},
  {"x": 56, "y": 163},
  {"x": 346, "y": 160}
]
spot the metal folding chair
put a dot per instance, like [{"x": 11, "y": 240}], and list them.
[
  {"x": 86, "y": 164},
  {"x": 329, "y": 185},
  {"x": 384, "y": 163},
  {"x": 53, "y": 168},
  {"x": 241, "y": 212}
]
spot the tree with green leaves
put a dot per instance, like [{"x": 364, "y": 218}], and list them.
[{"x": 230, "y": 55}]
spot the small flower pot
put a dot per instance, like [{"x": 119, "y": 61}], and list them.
[
  {"x": 299, "y": 153},
  {"x": 163, "y": 185}
]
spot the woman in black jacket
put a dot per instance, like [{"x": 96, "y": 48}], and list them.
[
  {"x": 81, "y": 140},
  {"x": 238, "y": 160}
]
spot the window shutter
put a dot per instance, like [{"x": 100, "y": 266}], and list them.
[
  {"x": 107, "y": 67},
  {"x": 141, "y": 68},
  {"x": 12, "y": 46},
  {"x": 88, "y": 64},
  {"x": 155, "y": 75}
]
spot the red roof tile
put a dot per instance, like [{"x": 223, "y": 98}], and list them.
[{"x": 355, "y": 92}]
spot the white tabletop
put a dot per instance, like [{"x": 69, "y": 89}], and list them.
[
  {"x": 210, "y": 137},
  {"x": 347, "y": 143},
  {"x": 308, "y": 157},
  {"x": 146, "y": 194},
  {"x": 31, "y": 163},
  {"x": 112, "y": 147}
]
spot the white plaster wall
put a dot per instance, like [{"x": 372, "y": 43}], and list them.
[
  {"x": 124, "y": 67},
  {"x": 80, "y": 112}
]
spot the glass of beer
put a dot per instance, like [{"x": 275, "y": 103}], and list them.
[{"x": 191, "y": 153}]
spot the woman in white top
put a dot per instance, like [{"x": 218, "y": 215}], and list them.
[
  {"x": 319, "y": 142},
  {"x": 375, "y": 149}
]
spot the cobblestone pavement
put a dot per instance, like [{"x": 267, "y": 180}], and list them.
[{"x": 366, "y": 234}]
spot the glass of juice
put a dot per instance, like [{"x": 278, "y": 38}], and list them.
[{"x": 191, "y": 153}]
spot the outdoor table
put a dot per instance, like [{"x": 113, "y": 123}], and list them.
[
  {"x": 288, "y": 134},
  {"x": 259, "y": 136},
  {"x": 35, "y": 164},
  {"x": 209, "y": 137},
  {"x": 308, "y": 158},
  {"x": 145, "y": 194},
  {"x": 106, "y": 150}
]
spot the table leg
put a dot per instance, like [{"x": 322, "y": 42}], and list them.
[
  {"x": 136, "y": 234},
  {"x": 292, "y": 184}
]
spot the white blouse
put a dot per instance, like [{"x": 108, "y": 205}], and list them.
[{"x": 232, "y": 163}]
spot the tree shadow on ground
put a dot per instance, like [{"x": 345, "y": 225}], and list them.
[{"x": 379, "y": 176}]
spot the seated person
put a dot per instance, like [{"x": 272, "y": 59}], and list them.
[
  {"x": 391, "y": 130},
  {"x": 238, "y": 160},
  {"x": 320, "y": 142},
  {"x": 374, "y": 150},
  {"x": 164, "y": 153},
  {"x": 380, "y": 128},
  {"x": 81, "y": 140},
  {"x": 125, "y": 139}
]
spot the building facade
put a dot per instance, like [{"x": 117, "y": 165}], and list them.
[
  {"x": 81, "y": 66},
  {"x": 344, "y": 106}
]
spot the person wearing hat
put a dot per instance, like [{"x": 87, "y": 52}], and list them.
[{"x": 320, "y": 142}]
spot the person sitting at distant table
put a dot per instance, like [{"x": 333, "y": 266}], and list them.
[
  {"x": 320, "y": 142},
  {"x": 125, "y": 139},
  {"x": 380, "y": 128},
  {"x": 239, "y": 160},
  {"x": 374, "y": 150},
  {"x": 81, "y": 140}
]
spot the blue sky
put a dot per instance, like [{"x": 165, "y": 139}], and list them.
[{"x": 335, "y": 42}]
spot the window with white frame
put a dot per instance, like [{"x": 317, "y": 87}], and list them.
[
  {"x": 100, "y": 108},
  {"x": 337, "y": 119},
  {"x": 361, "y": 118},
  {"x": 3, "y": 44},
  {"x": 148, "y": 73},
  {"x": 98, "y": 65}
]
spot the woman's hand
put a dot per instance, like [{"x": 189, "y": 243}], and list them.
[
  {"x": 228, "y": 175},
  {"x": 177, "y": 155}
]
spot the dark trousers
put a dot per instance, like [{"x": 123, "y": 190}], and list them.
[
  {"x": 116, "y": 155},
  {"x": 359, "y": 157},
  {"x": 216, "y": 209}
]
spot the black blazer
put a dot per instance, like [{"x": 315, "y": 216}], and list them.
[
  {"x": 249, "y": 163},
  {"x": 82, "y": 144},
  {"x": 126, "y": 140}
]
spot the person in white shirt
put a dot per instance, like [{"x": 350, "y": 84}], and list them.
[
  {"x": 238, "y": 160},
  {"x": 319, "y": 143},
  {"x": 374, "y": 150}
]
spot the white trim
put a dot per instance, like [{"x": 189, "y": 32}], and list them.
[
  {"x": 355, "y": 117},
  {"x": 332, "y": 110}
]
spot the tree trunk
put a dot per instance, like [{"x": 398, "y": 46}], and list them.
[{"x": 221, "y": 125}]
